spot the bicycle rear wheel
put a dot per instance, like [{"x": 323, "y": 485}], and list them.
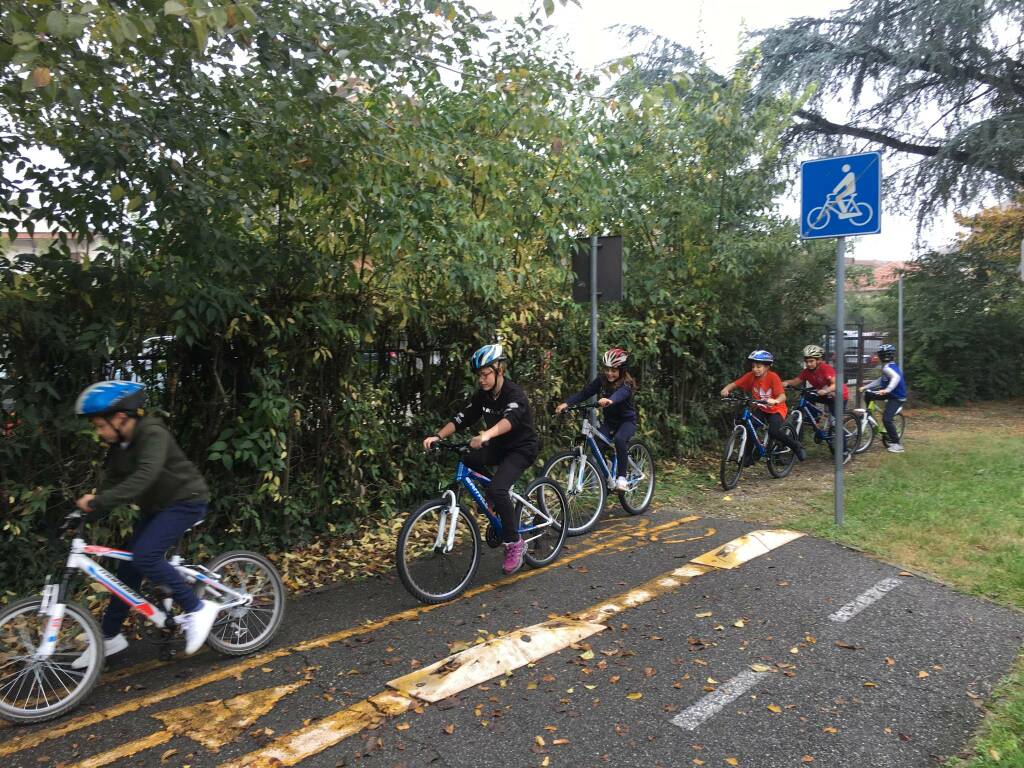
[
  {"x": 435, "y": 562},
  {"x": 584, "y": 488},
  {"x": 780, "y": 456},
  {"x": 36, "y": 689},
  {"x": 732, "y": 462},
  {"x": 243, "y": 629},
  {"x": 543, "y": 515},
  {"x": 901, "y": 424},
  {"x": 640, "y": 479}
]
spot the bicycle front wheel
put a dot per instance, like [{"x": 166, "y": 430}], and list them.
[
  {"x": 732, "y": 460},
  {"x": 584, "y": 488},
  {"x": 866, "y": 436},
  {"x": 437, "y": 555},
  {"x": 245, "y": 628},
  {"x": 543, "y": 511},
  {"x": 640, "y": 479},
  {"x": 33, "y": 689}
]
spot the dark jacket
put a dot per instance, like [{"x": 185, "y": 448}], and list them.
[
  {"x": 511, "y": 404},
  {"x": 150, "y": 471},
  {"x": 620, "y": 411}
]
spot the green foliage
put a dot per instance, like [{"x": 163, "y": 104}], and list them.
[
  {"x": 317, "y": 210},
  {"x": 964, "y": 313}
]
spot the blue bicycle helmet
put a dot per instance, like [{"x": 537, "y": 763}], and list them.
[
  {"x": 106, "y": 397},
  {"x": 887, "y": 352},
  {"x": 761, "y": 356},
  {"x": 487, "y": 355}
]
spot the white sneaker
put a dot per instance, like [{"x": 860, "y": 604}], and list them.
[
  {"x": 621, "y": 484},
  {"x": 895, "y": 448},
  {"x": 198, "y": 624},
  {"x": 111, "y": 645}
]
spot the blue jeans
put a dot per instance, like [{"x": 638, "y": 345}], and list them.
[
  {"x": 151, "y": 539},
  {"x": 620, "y": 434}
]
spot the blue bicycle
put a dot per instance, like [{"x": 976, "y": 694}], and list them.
[
  {"x": 439, "y": 545},
  {"x": 810, "y": 413},
  {"x": 589, "y": 479},
  {"x": 750, "y": 430}
]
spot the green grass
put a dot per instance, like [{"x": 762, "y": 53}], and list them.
[{"x": 952, "y": 506}]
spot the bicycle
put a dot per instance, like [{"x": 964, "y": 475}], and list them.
[
  {"x": 588, "y": 479},
  {"x": 41, "y": 636},
  {"x": 846, "y": 208},
  {"x": 439, "y": 545},
  {"x": 809, "y": 412},
  {"x": 779, "y": 458},
  {"x": 869, "y": 425}
]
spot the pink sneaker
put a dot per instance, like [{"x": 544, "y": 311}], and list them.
[{"x": 514, "y": 556}]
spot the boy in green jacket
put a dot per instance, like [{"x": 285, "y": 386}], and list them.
[{"x": 145, "y": 467}]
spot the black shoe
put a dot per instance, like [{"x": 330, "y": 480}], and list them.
[{"x": 801, "y": 454}]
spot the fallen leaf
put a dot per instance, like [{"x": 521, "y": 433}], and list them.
[
  {"x": 168, "y": 755},
  {"x": 890, "y": 661},
  {"x": 649, "y": 671},
  {"x": 807, "y": 759},
  {"x": 869, "y": 684},
  {"x": 698, "y": 761},
  {"x": 774, "y": 708},
  {"x": 449, "y": 729},
  {"x": 922, "y": 674},
  {"x": 531, "y": 685},
  {"x": 587, "y": 655},
  {"x": 540, "y": 741},
  {"x": 551, "y": 728},
  {"x": 830, "y": 729},
  {"x": 739, "y": 623},
  {"x": 634, "y": 696},
  {"x": 994, "y": 753},
  {"x": 545, "y": 762},
  {"x": 847, "y": 646},
  {"x": 703, "y": 615},
  {"x": 732, "y": 761},
  {"x": 760, "y": 667},
  {"x": 794, "y": 649},
  {"x": 559, "y": 742},
  {"x": 614, "y": 678},
  {"x": 402, "y": 727}
]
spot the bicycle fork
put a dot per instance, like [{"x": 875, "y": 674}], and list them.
[{"x": 445, "y": 540}]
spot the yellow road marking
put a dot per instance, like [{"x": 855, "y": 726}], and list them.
[
  {"x": 30, "y": 740},
  {"x": 211, "y": 723},
  {"x": 293, "y": 748},
  {"x": 495, "y": 657},
  {"x": 126, "y": 750}
]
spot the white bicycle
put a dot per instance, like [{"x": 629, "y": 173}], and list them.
[
  {"x": 856, "y": 212},
  {"x": 41, "y": 637}
]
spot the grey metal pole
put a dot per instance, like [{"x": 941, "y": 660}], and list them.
[
  {"x": 838, "y": 439},
  {"x": 593, "y": 307},
  {"x": 899, "y": 320}
]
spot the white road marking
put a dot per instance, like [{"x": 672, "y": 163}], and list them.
[
  {"x": 711, "y": 704},
  {"x": 874, "y": 594}
]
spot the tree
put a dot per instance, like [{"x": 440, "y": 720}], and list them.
[
  {"x": 941, "y": 81},
  {"x": 965, "y": 313}
]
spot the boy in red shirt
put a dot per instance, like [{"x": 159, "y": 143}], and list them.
[
  {"x": 819, "y": 375},
  {"x": 764, "y": 384}
]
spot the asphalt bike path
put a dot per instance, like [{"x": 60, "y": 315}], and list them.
[{"x": 807, "y": 654}]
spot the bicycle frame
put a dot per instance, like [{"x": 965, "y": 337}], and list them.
[
  {"x": 55, "y": 594},
  {"x": 748, "y": 420},
  {"x": 589, "y": 435},
  {"x": 805, "y": 409},
  {"x": 468, "y": 478}
]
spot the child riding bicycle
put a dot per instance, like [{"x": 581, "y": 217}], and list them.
[
  {"x": 617, "y": 390},
  {"x": 891, "y": 387},
  {"x": 509, "y": 441},
  {"x": 764, "y": 384},
  {"x": 821, "y": 376},
  {"x": 145, "y": 466}
]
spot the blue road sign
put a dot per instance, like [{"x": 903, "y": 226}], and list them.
[{"x": 841, "y": 196}]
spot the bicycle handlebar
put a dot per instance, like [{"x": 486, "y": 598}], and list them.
[
  {"x": 742, "y": 398},
  {"x": 579, "y": 407},
  {"x": 453, "y": 447}
]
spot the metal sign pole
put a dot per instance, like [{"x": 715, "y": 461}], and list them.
[
  {"x": 839, "y": 441},
  {"x": 593, "y": 307},
  {"x": 899, "y": 320}
]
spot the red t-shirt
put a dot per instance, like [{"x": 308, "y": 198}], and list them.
[
  {"x": 768, "y": 386},
  {"x": 819, "y": 378}
]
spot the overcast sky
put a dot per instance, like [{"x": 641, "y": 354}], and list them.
[{"x": 718, "y": 29}]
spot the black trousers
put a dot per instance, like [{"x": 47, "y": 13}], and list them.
[
  {"x": 509, "y": 467},
  {"x": 620, "y": 435},
  {"x": 775, "y": 423}
]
